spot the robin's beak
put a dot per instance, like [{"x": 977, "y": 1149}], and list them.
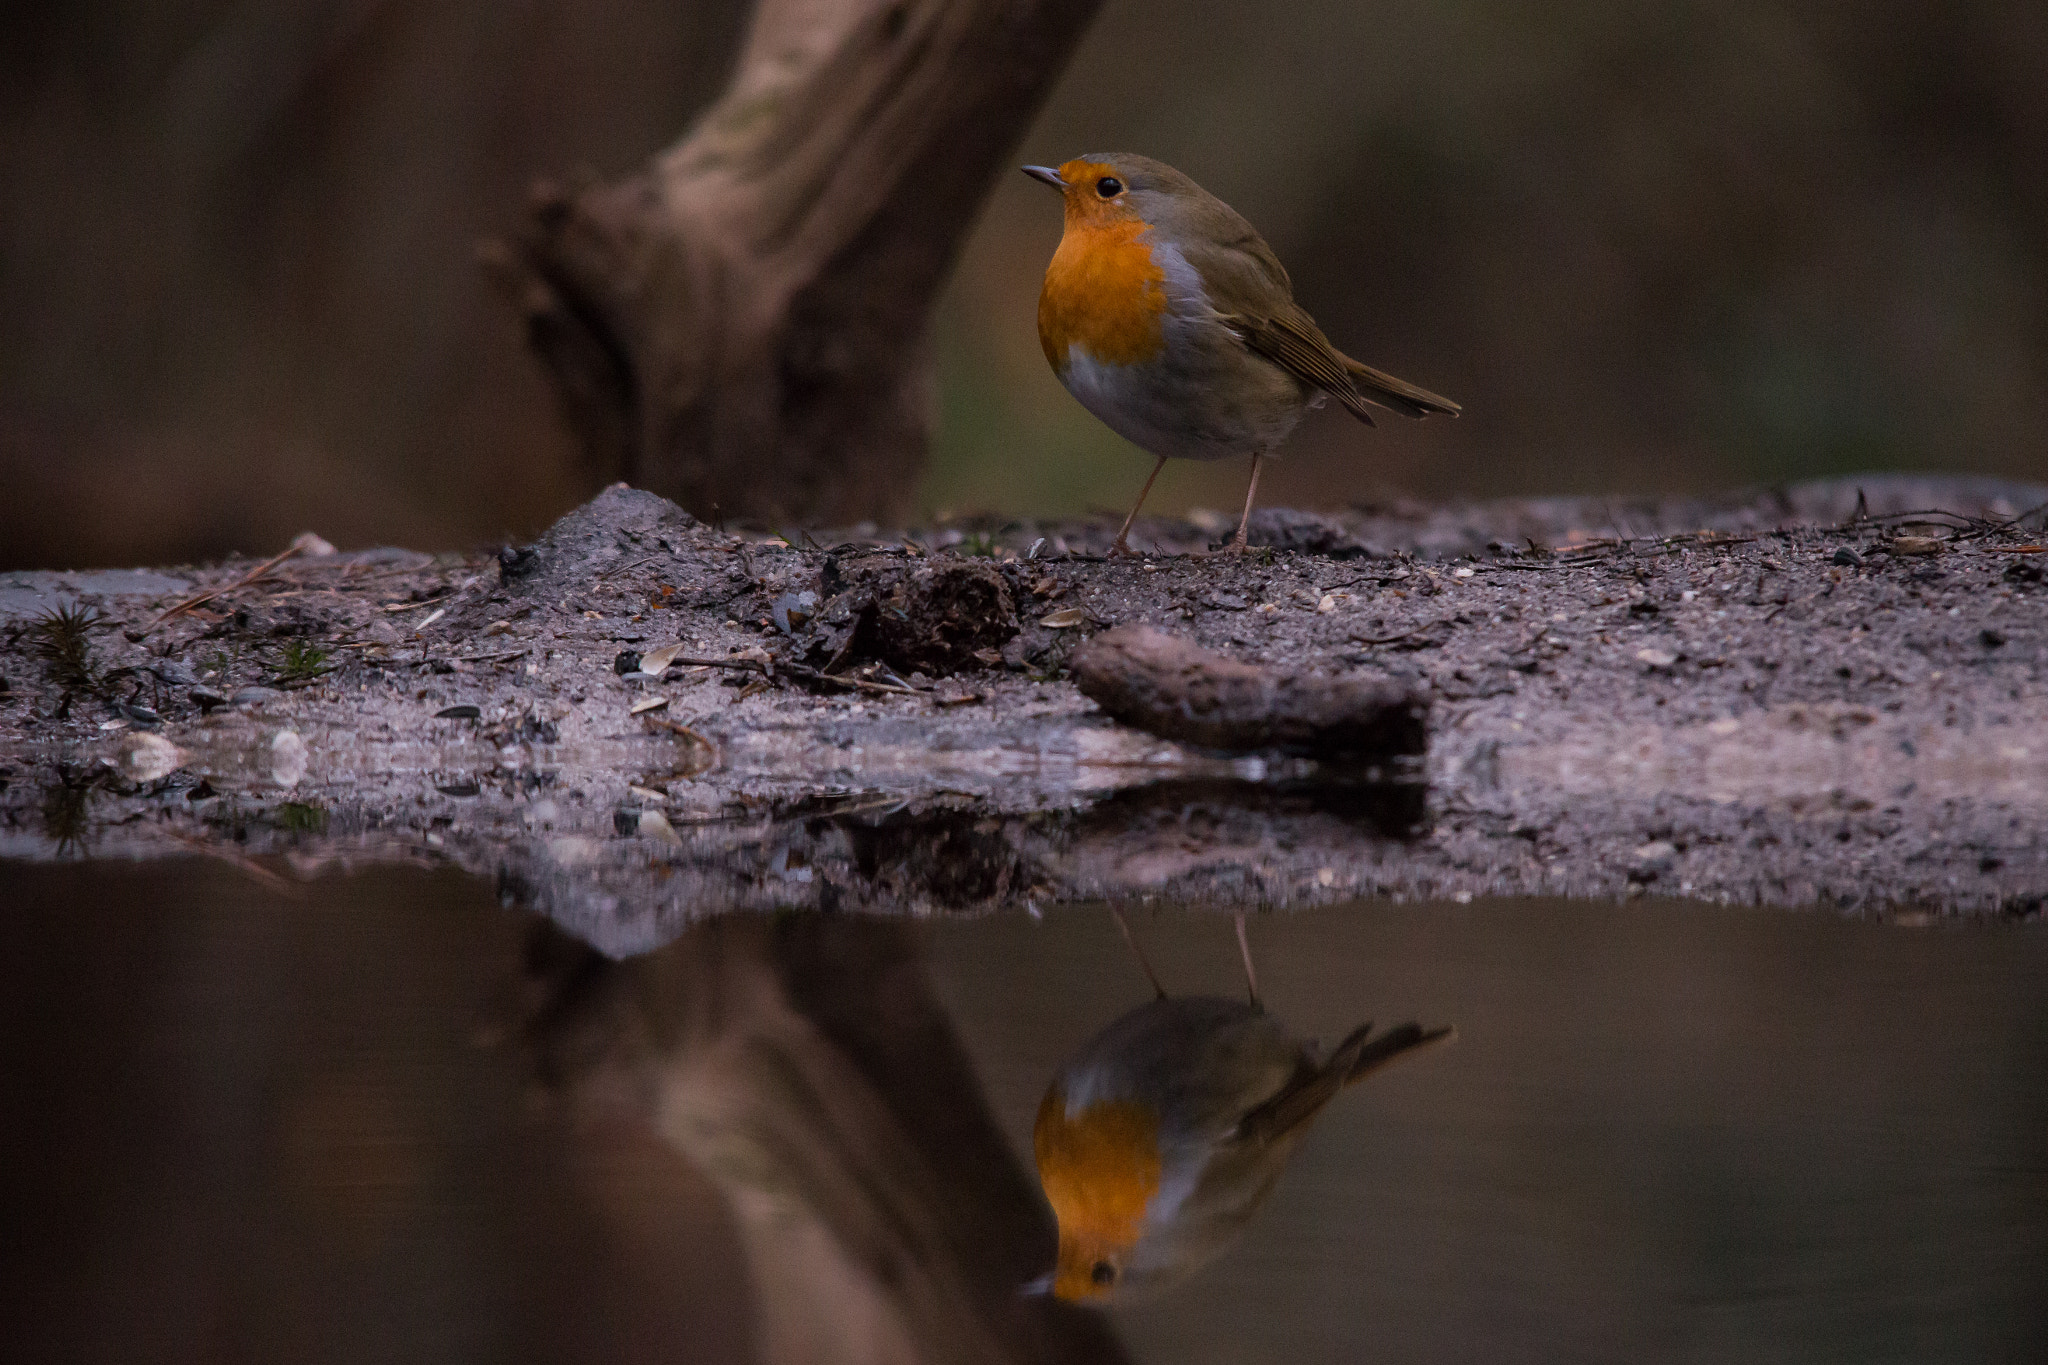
[
  {"x": 1047, "y": 174},
  {"x": 1040, "y": 1288}
]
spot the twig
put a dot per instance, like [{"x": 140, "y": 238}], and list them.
[
  {"x": 677, "y": 727},
  {"x": 243, "y": 864},
  {"x": 626, "y": 568},
  {"x": 802, "y": 673},
  {"x": 1395, "y": 639},
  {"x": 415, "y": 606},
  {"x": 296, "y": 547}
]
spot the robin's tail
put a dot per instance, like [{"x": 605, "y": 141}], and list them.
[
  {"x": 1395, "y": 1042},
  {"x": 1354, "y": 1059},
  {"x": 1398, "y": 395}
]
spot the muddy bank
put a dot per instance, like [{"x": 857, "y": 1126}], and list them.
[{"x": 1783, "y": 698}]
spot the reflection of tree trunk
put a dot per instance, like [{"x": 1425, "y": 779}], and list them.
[
  {"x": 743, "y": 322},
  {"x": 806, "y": 1069}
]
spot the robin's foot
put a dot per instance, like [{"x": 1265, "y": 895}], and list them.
[
  {"x": 1234, "y": 546},
  {"x": 1121, "y": 549}
]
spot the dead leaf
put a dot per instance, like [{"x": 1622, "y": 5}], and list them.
[{"x": 1064, "y": 617}]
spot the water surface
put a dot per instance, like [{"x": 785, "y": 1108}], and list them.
[{"x": 385, "y": 1117}]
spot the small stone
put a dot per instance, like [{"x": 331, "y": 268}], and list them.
[
  {"x": 628, "y": 661},
  {"x": 1848, "y": 558},
  {"x": 1327, "y": 604},
  {"x": 149, "y": 758},
  {"x": 285, "y": 763},
  {"x": 171, "y": 673},
  {"x": 255, "y": 696},
  {"x": 1991, "y": 639},
  {"x": 460, "y": 711},
  {"x": 206, "y": 699},
  {"x": 1915, "y": 545},
  {"x": 1657, "y": 658},
  {"x": 1652, "y": 860},
  {"x": 1461, "y": 573}
]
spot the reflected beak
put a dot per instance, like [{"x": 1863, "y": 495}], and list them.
[
  {"x": 1047, "y": 174},
  {"x": 1042, "y": 1286}
]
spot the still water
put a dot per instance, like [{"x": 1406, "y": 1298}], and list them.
[{"x": 386, "y": 1118}]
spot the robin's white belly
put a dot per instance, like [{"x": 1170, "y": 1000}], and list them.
[{"x": 1177, "y": 410}]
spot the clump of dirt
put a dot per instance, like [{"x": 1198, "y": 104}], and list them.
[{"x": 945, "y": 619}]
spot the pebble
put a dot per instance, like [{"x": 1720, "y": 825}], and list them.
[
  {"x": 1657, "y": 658},
  {"x": 255, "y": 696},
  {"x": 1848, "y": 558},
  {"x": 461, "y": 711},
  {"x": 1652, "y": 860}
]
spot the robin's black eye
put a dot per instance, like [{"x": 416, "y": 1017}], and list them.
[
  {"x": 1104, "y": 1272},
  {"x": 1109, "y": 187}
]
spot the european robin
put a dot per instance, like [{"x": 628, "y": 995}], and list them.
[
  {"x": 1170, "y": 319},
  {"x": 1160, "y": 1138}
]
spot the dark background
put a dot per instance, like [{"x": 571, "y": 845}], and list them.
[{"x": 1650, "y": 245}]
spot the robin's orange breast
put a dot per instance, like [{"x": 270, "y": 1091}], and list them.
[{"x": 1104, "y": 293}]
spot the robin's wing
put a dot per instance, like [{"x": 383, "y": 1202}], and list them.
[
  {"x": 1311, "y": 1087},
  {"x": 1292, "y": 341},
  {"x": 1249, "y": 288}
]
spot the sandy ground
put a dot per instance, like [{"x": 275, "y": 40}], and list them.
[{"x": 1792, "y": 697}]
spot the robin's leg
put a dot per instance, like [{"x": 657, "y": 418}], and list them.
[
  {"x": 1122, "y": 547},
  {"x": 1251, "y": 978},
  {"x": 1237, "y": 541},
  {"x": 1132, "y": 940}
]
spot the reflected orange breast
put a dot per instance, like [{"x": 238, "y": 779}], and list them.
[
  {"x": 1105, "y": 293},
  {"x": 1100, "y": 1168}
]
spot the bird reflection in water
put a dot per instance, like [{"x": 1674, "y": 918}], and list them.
[{"x": 1162, "y": 1136}]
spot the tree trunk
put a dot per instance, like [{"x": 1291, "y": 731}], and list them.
[{"x": 741, "y": 325}]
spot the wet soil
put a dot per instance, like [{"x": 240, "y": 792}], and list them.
[{"x": 1832, "y": 693}]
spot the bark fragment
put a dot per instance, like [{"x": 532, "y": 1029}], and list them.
[{"x": 1169, "y": 687}]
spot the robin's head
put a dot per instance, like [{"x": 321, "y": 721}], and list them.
[{"x": 1104, "y": 188}]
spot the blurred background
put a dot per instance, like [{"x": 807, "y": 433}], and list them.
[{"x": 1650, "y": 244}]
